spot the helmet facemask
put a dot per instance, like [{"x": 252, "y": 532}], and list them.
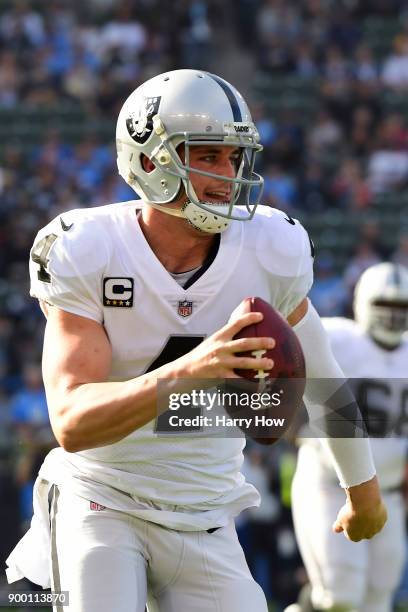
[
  {"x": 388, "y": 321},
  {"x": 245, "y": 188}
]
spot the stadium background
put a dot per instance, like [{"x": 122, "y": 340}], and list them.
[{"x": 327, "y": 82}]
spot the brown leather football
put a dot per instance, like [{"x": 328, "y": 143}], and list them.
[
  {"x": 285, "y": 380},
  {"x": 287, "y": 354}
]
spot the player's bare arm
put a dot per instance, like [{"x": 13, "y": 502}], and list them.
[
  {"x": 299, "y": 312},
  {"x": 87, "y": 412},
  {"x": 364, "y": 514}
]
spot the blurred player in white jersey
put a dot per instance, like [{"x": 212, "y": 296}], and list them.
[
  {"x": 138, "y": 291},
  {"x": 372, "y": 350}
]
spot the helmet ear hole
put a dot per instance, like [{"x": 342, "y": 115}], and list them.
[{"x": 146, "y": 163}]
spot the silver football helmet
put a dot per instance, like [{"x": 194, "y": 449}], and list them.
[
  {"x": 194, "y": 108},
  {"x": 381, "y": 302}
]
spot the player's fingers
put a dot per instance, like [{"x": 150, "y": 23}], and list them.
[
  {"x": 249, "y": 344},
  {"x": 350, "y": 534},
  {"x": 353, "y": 537},
  {"x": 231, "y": 374},
  {"x": 337, "y": 527},
  {"x": 252, "y": 363},
  {"x": 236, "y": 324}
]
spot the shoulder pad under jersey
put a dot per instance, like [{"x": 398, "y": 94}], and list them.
[
  {"x": 67, "y": 260},
  {"x": 283, "y": 245}
]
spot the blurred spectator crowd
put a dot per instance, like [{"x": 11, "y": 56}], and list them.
[{"x": 327, "y": 85}]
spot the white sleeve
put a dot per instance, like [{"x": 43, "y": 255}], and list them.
[
  {"x": 66, "y": 270},
  {"x": 330, "y": 403}
]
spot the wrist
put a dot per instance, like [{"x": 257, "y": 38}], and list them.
[
  {"x": 366, "y": 494},
  {"x": 180, "y": 368}
]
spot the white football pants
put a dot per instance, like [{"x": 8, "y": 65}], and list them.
[
  {"x": 109, "y": 560},
  {"x": 357, "y": 575}
]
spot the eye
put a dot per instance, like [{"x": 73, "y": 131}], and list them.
[
  {"x": 236, "y": 158},
  {"x": 210, "y": 158}
]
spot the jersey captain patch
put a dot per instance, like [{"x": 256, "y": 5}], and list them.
[{"x": 118, "y": 292}]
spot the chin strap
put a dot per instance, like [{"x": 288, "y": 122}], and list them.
[
  {"x": 175, "y": 212},
  {"x": 200, "y": 219}
]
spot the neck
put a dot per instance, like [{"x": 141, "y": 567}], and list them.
[{"x": 177, "y": 245}]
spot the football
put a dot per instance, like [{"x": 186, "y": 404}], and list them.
[
  {"x": 287, "y": 353},
  {"x": 284, "y": 383}
]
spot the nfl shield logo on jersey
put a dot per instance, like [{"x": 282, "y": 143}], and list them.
[
  {"x": 96, "y": 507},
  {"x": 185, "y": 308}
]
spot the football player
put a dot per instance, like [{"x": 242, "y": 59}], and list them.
[
  {"x": 141, "y": 291},
  {"x": 372, "y": 350}
]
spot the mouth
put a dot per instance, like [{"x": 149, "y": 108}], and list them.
[{"x": 217, "y": 196}]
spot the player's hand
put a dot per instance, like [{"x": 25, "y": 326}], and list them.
[
  {"x": 215, "y": 357},
  {"x": 364, "y": 514}
]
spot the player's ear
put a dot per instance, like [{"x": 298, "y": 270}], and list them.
[{"x": 147, "y": 164}]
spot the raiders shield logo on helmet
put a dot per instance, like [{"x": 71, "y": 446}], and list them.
[
  {"x": 140, "y": 123},
  {"x": 185, "y": 308}
]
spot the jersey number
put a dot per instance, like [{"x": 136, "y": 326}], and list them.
[
  {"x": 39, "y": 255},
  {"x": 175, "y": 347},
  {"x": 379, "y": 421}
]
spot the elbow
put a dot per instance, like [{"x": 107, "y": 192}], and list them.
[
  {"x": 67, "y": 440},
  {"x": 68, "y": 443},
  {"x": 66, "y": 433}
]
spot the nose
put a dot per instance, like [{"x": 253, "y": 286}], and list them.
[{"x": 227, "y": 167}]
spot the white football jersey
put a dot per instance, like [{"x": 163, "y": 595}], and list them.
[
  {"x": 381, "y": 389},
  {"x": 97, "y": 263}
]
